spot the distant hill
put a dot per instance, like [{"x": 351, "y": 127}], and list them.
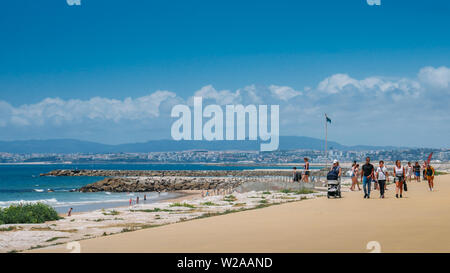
[{"x": 65, "y": 146}]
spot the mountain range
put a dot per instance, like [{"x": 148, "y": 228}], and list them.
[{"x": 65, "y": 146}]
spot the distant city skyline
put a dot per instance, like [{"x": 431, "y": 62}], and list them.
[{"x": 110, "y": 71}]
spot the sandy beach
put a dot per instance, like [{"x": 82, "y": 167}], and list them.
[{"x": 419, "y": 222}]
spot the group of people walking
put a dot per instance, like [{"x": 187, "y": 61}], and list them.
[{"x": 380, "y": 176}]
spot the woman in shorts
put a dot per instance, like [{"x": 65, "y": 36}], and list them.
[
  {"x": 399, "y": 174},
  {"x": 354, "y": 175},
  {"x": 430, "y": 176},
  {"x": 306, "y": 170}
]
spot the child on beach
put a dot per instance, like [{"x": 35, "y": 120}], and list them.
[
  {"x": 399, "y": 174},
  {"x": 296, "y": 177}
]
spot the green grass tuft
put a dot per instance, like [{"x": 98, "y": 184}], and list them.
[
  {"x": 55, "y": 238},
  {"x": 182, "y": 205}
]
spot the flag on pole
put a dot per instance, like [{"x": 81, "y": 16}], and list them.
[
  {"x": 429, "y": 158},
  {"x": 327, "y": 118}
]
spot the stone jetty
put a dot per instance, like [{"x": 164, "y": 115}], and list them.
[
  {"x": 184, "y": 173},
  {"x": 174, "y": 180},
  {"x": 169, "y": 183}
]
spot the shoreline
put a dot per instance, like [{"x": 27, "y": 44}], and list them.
[
  {"x": 183, "y": 195},
  {"x": 100, "y": 223},
  {"x": 320, "y": 225}
]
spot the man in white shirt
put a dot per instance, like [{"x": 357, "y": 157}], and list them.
[{"x": 382, "y": 175}]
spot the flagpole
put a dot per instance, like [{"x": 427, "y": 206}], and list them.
[{"x": 326, "y": 140}]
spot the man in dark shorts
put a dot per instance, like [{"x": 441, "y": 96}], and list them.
[{"x": 367, "y": 176}]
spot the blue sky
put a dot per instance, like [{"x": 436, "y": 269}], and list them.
[{"x": 131, "y": 49}]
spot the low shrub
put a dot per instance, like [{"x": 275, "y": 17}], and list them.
[{"x": 28, "y": 214}]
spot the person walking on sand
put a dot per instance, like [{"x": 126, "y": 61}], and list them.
[
  {"x": 424, "y": 167},
  {"x": 382, "y": 175},
  {"x": 409, "y": 171},
  {"x": 416, "y": 170},
  {"x": 367, "y": 175},
  {"x": 354, "y": 175},
  {"x": 69, "y": 213},
  {"x": 399, "y": 174},
  {"x": 306, "y": 170},
  {"x": 296, "y": 176},
  {"x": 430, "y": 176}
]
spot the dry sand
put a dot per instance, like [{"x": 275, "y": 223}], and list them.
[{"x": 420, "y": 222}]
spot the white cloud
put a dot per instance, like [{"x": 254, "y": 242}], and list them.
[
  {"x": 372, "y": 85},
  {"x": 361, "y": 106},
  {"x": 220, "y": 97},
  {"x": 284, "y": 93},
  {"x": 337, "y": 83},
  {"x": 57, "y": 111},
  {"x": 435, "y": 77}
]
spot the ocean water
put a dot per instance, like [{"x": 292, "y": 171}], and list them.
[{"x": 23, "y": 183}]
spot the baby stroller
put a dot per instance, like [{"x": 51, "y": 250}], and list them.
[
  {"x": 334, "y": 183},
  {"x": 334, "y": 188}
]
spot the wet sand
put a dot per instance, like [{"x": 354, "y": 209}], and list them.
[{"x": 419, "y": 222}]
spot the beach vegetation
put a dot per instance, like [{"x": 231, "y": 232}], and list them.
[
  {"x": 302, "y": 191},
  {"x": 55, "y": 238},
  {"x": 230, "y": 198},
  {"x": 36, "y": 247},
  {"x": 10, "y": 228},
  {"x": 266, "y": 192},
  {"x": 41, "y": 228},
  {"x": 209, "y": 203},
  {"x": 126, "y": 230},
  {"x": 68, "y": 230},
  {"x": 263, "y": 201},
  {"x": 112, "y": 212},
  {"x": 152, "y": 210},
  {"x": 28, "y": 214},
  {"x": 186, "y": 205}
]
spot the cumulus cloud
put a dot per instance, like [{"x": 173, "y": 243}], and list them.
[
  {"x": 369, "y": 107},
  {"x": 435, "y": 77},
  {"x": 339, "y": 83},
  {"x": 57, "y": 111},
  {"x": 284, "y": 93}
]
